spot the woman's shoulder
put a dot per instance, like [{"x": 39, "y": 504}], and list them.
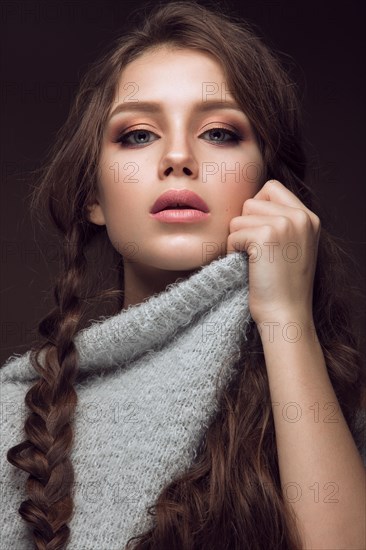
[
  {"x": 15, "y": 377},
  {"x": 14, "y": 384},
  {"x": 18, "y": 368}
]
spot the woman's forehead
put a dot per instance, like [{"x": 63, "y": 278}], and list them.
[{"x": 162, "y": 75}]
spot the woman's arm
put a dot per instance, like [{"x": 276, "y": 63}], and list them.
[{"x": 321, "y": 470}]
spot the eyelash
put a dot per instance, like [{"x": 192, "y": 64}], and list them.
[{"x": 235, "y": 138}]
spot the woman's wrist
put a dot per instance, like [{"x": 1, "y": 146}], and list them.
[{"x": 288, "y": 326}]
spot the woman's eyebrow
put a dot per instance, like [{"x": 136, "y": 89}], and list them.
[{"x": 155, "y": 107}]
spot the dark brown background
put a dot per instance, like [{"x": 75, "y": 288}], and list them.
[{"x": 46, "y": 47}]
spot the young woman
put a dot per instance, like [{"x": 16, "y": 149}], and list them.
[{"x": 219, "y": 406}]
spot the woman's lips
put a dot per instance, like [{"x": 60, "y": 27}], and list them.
[
  {"x": 184, "y": 198},
  {"x": 177, "y": 215}
]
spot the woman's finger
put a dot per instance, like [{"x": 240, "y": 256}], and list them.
[
  {"x": 254, "y": 220},
  {"x": 275, "y": 193}
]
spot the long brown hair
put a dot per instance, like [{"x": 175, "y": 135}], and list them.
[{"x": 231, "y": 496}]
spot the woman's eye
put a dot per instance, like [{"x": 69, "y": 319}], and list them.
[
  {"x": 140, "y": 137},
  {"x": 216, "y": 132}
]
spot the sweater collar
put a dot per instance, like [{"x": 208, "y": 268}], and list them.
[{"x": 147, "y": 326}]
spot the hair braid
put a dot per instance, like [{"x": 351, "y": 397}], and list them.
[{"x": 52, "y": 401}]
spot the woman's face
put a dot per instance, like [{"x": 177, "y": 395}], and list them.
[{"x": 175, "y": 146}]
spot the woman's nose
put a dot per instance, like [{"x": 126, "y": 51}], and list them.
[{"x": 179, "y": 158}]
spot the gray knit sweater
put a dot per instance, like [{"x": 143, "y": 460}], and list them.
[{"x": 146, "y": 393}]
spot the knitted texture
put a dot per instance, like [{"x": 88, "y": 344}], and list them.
[{"x": 148, "y": 385}]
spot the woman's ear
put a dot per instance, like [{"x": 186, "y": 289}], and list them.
[{"x": 95, "y": 213}]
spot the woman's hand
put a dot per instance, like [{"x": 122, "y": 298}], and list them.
[{"x": 280, "y": 236}]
